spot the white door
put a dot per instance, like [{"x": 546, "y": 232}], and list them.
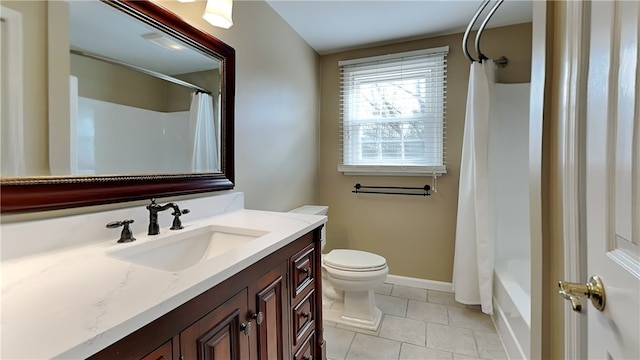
[{"x": 612, "y": 172}]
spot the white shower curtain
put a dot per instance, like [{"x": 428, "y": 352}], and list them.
[
  {"x": 12, "y": 156},
  {"x": 204, "y": 133},
  {"x": 473, "y": 260},
  {"x": 11, "y": 138}
]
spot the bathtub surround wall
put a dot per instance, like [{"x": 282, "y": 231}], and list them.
[
  {"x": 148, "y": 145},
  {"x": 508, "y": 178},
  {"x": 416, "y": 235},
  {"x": 509, "y": 184}
]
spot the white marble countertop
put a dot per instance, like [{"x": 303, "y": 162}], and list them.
[{"x": 73, "y": 303}]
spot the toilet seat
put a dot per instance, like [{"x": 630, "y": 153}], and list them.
[{"x": 354, "y": 260}]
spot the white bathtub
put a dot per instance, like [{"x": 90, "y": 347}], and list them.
[{"x": 512, "y": 306}]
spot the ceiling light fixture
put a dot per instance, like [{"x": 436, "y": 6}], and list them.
[
  {"x": 218, "y": 13},
  {"x": 163, "y": 41}
]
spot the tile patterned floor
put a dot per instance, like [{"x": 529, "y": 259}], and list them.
[{"x": 418, "y": 324}]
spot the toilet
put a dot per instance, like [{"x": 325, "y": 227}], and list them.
[{"x": 349, "y": 279}]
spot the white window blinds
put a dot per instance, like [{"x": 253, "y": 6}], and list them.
[{"x": 393, "y": 113}]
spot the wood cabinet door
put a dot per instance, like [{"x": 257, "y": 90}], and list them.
[
  {"x": 270, "y": 315},
  {"x": 220, "y": 335}
]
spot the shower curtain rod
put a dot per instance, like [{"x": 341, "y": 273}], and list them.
[
  {"x": 501, "y": 61},
  {"x": 140, "y": 69}
]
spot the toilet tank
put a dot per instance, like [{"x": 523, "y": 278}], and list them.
[{"x": 315, "y": 210}]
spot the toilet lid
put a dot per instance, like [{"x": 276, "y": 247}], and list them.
[{"x": 354, "y": 260}]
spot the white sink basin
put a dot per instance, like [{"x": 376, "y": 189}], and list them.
[{"x": 181, "y": 249}]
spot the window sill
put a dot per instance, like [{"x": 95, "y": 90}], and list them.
[{"x": 390, "y": 170}]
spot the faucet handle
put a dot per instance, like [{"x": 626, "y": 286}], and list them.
[
  {"x": 177, "y": 223},
  {"x": 180, "y": 212},
  {"x": 126, "y": 235}
]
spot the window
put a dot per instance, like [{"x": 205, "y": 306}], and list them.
[{"x": 393, "y": 109}]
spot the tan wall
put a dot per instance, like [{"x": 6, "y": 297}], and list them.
[
  {"x": 112, "y": 83},
  {"x": 177, "y": 95},
  {"x": 103, "y": 81},
  {"x": 416, "y": 235},
  {"x": 554, "y": 306}
]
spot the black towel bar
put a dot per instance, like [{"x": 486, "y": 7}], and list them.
[{"x": 391, "y": 190}]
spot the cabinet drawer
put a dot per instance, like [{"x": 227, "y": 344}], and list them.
[
  {"x": 303, "y": 270},
  {"x": 164, "y": 352},
  {"x": 307, "y": 350},
  {"x": 303, "y": 318}
]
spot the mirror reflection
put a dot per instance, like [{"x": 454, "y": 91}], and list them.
[{"x": 124, "y": 98}]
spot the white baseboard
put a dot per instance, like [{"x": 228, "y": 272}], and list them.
[{"x": 420, "y": 283}]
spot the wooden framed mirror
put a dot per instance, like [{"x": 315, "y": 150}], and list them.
[{"x": 52, "y": 188}]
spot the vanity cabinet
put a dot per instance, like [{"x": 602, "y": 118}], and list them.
[{"x": 270, "y": 310}]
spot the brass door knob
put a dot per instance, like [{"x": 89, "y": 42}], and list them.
[{"x": 593, "y": 290}]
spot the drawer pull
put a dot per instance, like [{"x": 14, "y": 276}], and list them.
[
  {"x": 306, "y": 271},
  {"x": 306, "y": 315}
]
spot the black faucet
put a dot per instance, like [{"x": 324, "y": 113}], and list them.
[{"x": 154, "y": 209}]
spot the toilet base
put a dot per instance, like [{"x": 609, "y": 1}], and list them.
[{"x": 357, "y": 310}]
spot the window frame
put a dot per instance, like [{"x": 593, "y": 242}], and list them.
[{"x": 404, "y": 168}]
